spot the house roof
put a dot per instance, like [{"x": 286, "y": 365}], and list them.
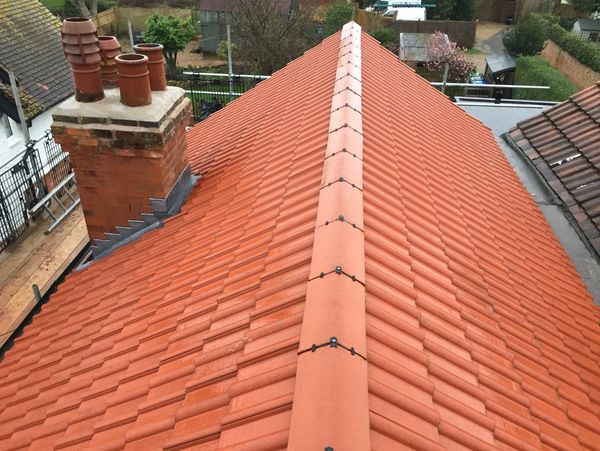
[
  {"x": 334, "y": 280},
  {"x": 589, "y": 24},
  {"x": 563, "y": 144},
  {"x": 31, "y": 48},
  {"x": 500, "y": 62}
]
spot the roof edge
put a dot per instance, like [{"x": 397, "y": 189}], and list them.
[{"x": 331, "y": 392}]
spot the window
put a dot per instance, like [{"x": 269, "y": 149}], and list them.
[
  {"x": 5, "y": 130},
  {"x": 594, "y": 36}
]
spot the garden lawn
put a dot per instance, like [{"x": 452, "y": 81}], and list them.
[
  {"x": 533, "y": 70},
  {"x": 54, "y": 5}
]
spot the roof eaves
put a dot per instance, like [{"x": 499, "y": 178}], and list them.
[{"x": 331, "y": 394}]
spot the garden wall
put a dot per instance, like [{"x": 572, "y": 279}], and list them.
[{"x": 581, "y": 75}]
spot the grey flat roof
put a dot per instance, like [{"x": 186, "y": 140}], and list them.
[{"x": 501, "y": 117}]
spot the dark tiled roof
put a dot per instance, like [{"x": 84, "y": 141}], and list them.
[
  {"x": 564, "y": 145},
  {"x": 460, "y": 321},
  {"x": 30, "y": 47}
]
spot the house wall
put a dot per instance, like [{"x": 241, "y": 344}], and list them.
[
  {"x": 15, "y": 145},
  {"x": 214, "y": 29},
  {"x": 581, "y": 76}
]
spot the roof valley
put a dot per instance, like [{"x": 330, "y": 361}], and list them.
[{"x": 331, "y": 394}]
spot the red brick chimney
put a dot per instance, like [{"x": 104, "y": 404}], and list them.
[{"x": 130, "y": 163}]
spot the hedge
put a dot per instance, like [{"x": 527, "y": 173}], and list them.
[
  {"x": 533, "y": 70},
  {"x": 584, "y": 51}
]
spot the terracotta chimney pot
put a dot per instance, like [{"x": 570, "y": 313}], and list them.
[
  {"x": 80, "y": 44},
  {"x": 109, "y": 49},
  {"x": 134, "y": 79},
  {"x": 156, "y": 64}
]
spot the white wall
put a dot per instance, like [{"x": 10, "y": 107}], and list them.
[{"x": 12, "y": 147}]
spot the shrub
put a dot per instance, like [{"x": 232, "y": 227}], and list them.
[
  {"x": 584, "y": 51},
  {"x": 384, "y": 35},
  {"x": 533, "y": 70},
  {"x": 222, "y": 50},
  {"x": 170, "y": 31},
  {"x": 440, "y": 52},
  {"x": 526, "y": 38}
]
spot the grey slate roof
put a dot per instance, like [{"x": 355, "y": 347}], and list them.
[
  {"x": 30, "y": 47},
  {"x": 589, "y": 24}
]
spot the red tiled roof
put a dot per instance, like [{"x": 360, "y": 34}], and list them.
[
  {"x": 459, "y": 321},
  {"x": 564, "y": 145}
]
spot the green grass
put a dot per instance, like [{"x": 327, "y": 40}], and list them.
[
  {"x": 473, "y": 51},
  {"x": 53, "y": 5},
  {"x": 533, "y": 70}
]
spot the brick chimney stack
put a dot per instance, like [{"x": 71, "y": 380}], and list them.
[{"x": 130, "y": 163}]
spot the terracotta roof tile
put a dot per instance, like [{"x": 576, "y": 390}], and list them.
[{"x": 335, "y": 279}]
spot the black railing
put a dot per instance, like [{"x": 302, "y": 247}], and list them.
[
  {"x": 25, "y": 182},
  {"x": 211, "y": 92}
]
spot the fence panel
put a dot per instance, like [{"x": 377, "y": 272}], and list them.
[
  {"x": 211, "y": 92},
  {"x": 24, "y": 183}
]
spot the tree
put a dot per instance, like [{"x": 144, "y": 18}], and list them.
[
  {"x": 268, "y": 35},
  {"x": 86, "y": 7},
  {"x": 338, "y": 14},
  {"x": 441, "y": 51},
  {"x": 170, "y": 31},
  {"x": 526, "y": 38},
  {"x": 454, "y": 9},
  {"x": 463, "y": 10},
  {"x": 444, "y": 9}
]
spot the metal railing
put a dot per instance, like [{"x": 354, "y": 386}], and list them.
[
  {"x": 26, "y": 181},
  {"x": 210, "y": 92}
]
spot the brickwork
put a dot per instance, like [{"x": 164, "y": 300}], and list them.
[
  {"x": 120, "y": 167},
  {"x": 580, "y": 75}
]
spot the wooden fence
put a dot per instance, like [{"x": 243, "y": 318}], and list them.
[
  {"x": 462, "y": 32},
  {"x": 105, "y": 21}
]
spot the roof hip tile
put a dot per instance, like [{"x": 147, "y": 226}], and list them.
[{"x": 334, "y": 315}]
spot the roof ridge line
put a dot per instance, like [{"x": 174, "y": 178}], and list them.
[{"x": 330, "y": 407}]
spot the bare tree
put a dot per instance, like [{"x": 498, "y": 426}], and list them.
[
  {"x": 86, "y": 7},
  {"x": 269, "y": 33}
]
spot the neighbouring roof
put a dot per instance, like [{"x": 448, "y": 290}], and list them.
[
  {"x": 564, "y": 145},
  {"x": 31, "y": 48},
  {"x": 459, "y": 321},
  {"x": 589, "y": 24}
]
